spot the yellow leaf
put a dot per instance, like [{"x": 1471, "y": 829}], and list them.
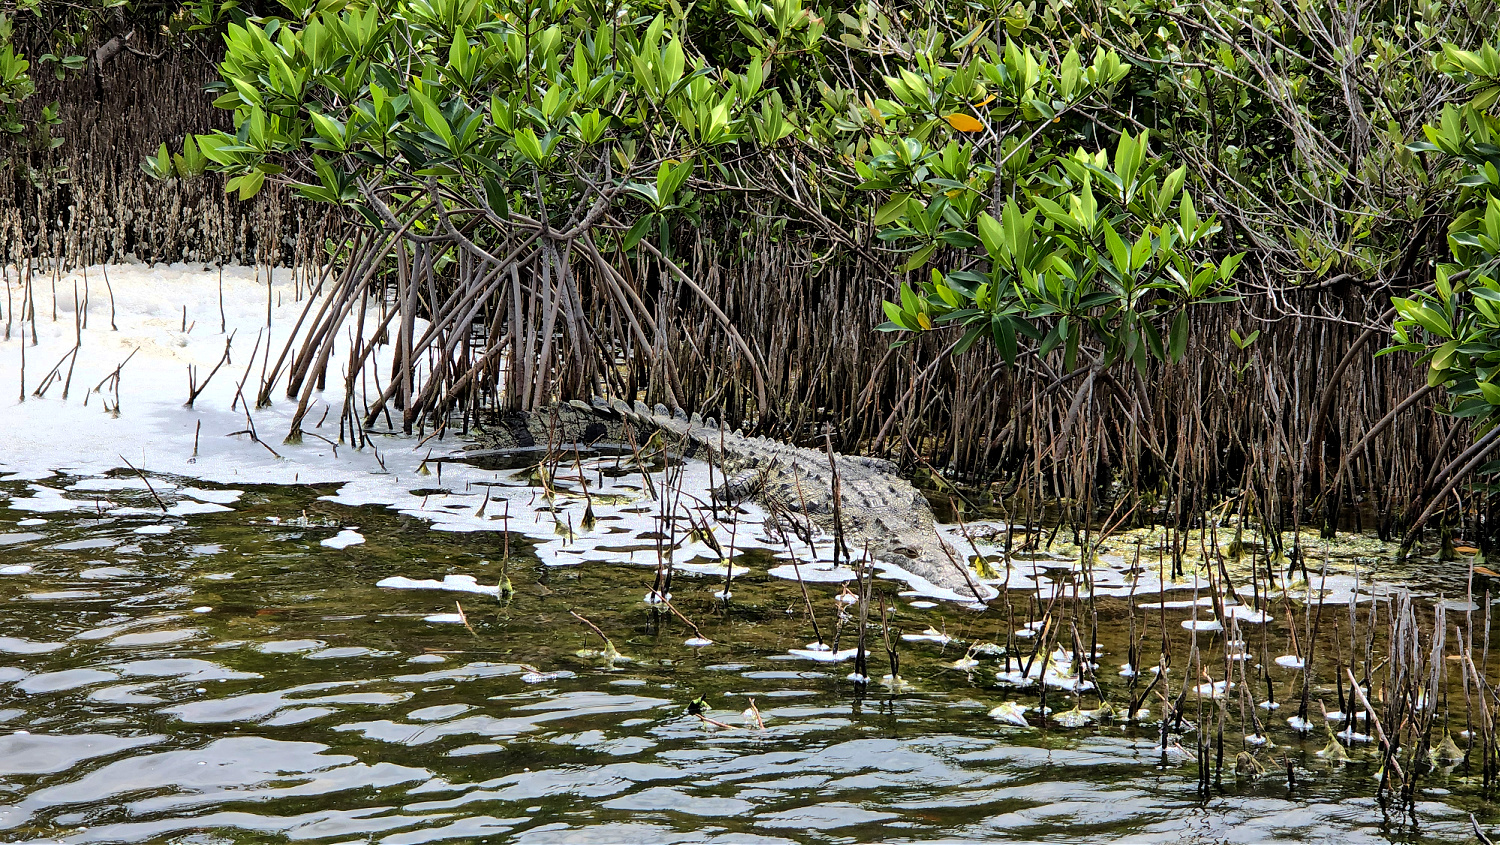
[
  {"x": 924, "y": 321},
  {"x": 986, "y": 101},
  {"x": 964, "y": 122}
]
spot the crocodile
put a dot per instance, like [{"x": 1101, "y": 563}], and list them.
[{"x": 861, "y": 500}]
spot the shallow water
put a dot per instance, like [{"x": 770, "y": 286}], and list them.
[{"x": 236, "y": 679}]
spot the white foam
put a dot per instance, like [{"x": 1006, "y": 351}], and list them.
[
  {"x": 344, "y": 539},
  {"x": 121, "y": 483},
  {"x": 825, "y": 655},
  {"x": 1214, "y": 689},
  {"x": 931, "y": 635},
  {"x": 188, "y": 507},
  {"x": 46, "y": 499},
  {"x": 153, "y": 430},
  {"x": 221, "y": 497},
  {"x": 451, "y": 583},
  {"x": 812, "y": 574},
  {"x": 1249, "y": 615}
]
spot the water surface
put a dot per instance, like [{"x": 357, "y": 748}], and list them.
[{"x": 221, "y": 675}]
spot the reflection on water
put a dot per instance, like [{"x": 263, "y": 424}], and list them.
[{"x": 227, "y": 676}]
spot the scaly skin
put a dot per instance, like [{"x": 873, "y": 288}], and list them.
[{"x": 877, "y": 508}]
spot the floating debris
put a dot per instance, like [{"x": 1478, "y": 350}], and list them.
[
  {"x": 1351, "y": 736},
  {"x": 1245, "y": 613},
  {"x": 1446, "y": 753},
  {"x": 1214, "y": 689},
  {"x": 964, "y": 664},
  {"x": 1246, "y": 766},
  {"x": 752, "y": 716},
  {"x": 1067, "y": 682},
  {"x": 608, "y": 654},
  {"x": 1173, "y": 752},
  {"x": 931, "y": 635},
  {"x": 1030, "y": 629},
  {"x": 1105, "y": 712},
  {"x": 1333, "y": 752},
  {"x": 1074, "y": 718},
  {"x": 1011, "y": 713},
  {"x": 895, "y": 684},
  {"x": 1056, "y": 672}
]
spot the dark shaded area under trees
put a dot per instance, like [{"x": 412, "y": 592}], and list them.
[{"x": 73, "y": 191}]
